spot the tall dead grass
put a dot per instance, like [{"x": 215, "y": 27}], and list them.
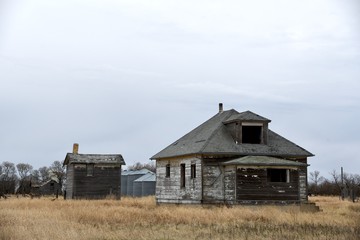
[{"x": 141, "y": 218}]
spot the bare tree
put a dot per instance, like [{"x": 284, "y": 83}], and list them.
[
  {"x": 44, "y": 174},
  {"x": 58, "y": 170},
  {"x": 137, "y": 166},
  {"x": 24, "y": 170},
  {"x": 8, "y": 178},
  {"x": 8, "y": 171},
  {"x": 316, "y": 179}
]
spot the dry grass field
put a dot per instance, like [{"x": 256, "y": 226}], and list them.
[{"x": 140, "y": 218}]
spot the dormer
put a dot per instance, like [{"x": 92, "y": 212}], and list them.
[{"x": 248, "y": 128}]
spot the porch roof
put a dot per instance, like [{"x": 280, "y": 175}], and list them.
[{"x": 263, "y": 161}]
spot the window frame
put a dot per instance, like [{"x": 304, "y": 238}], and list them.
[
  {"x": 182, "y": 175},
  {"x": 193, "y": 171},
  {"x": 282, "y": 175},
  {"x": 90, "y": 170},
  {"x": 167, "y": 170}
]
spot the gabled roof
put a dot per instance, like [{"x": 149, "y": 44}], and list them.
[
  {"x": 142, "y": 171},
  {"x": 212, "y": 137},
  {"x": 94, "y": 158},
  {"x": 247, "y": 116},
  {"x": 149, "y": 177}
]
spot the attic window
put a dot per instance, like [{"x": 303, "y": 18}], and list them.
[
  {"x": 90, "y": 170},
  {"x": 278, "y": 175},
  {"x": 251, "y": 134}
]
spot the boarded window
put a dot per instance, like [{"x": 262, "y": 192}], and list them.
[
  {"x": 251, "y": 134},
  {"x": 167, "y": 173},
  {"x": 278, "y": 175},
  {"x": 193, "y": 170},
  {"x": 182, "y": 175},
  {"x": 90, "y": 170}
]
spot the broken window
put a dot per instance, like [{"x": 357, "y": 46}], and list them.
[
  {"x": 193, "y": 171},
  {"x": 251, "y": 134},
  {"x": 182, "y": 175},
  {"x": 167, "y": 174},
  {"x": 278, "y": 175},
  {"x": 89, "y": 169}
]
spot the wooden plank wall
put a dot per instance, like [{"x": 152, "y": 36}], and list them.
[
  {"x": 168, "y": 189},
  {"x": 252, "y": 184},
  {"x": 106, "y": 180}
]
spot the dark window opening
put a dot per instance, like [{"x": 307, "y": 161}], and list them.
[
  {"x": 278, "y": 175},
  {"x": 52, "y": 186},
  {"x": 251, "y": 134},
  {"x": 90, "y": 170},
  {"x": 167, "y": 174},
  {"x": 182, "y": 175},
  {"x": 193, "y": 170}
]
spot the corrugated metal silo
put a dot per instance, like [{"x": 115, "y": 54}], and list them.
[{"x": 145, "y": 185}]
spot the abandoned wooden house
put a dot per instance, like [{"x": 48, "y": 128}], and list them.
[
  {"x": 232, "y": 158},
  {"x": 92, "y": 176},
  {"x": 50, "y": 187}
]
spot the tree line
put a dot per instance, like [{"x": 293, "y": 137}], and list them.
[
  {"x": 23, "y": 175},
  {"x": 345, "y": 185}
]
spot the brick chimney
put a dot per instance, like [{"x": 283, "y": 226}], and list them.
[
  {"x": 221, "y": 108},
  {"x": 75, "y": 148}
]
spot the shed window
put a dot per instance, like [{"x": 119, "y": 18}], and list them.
[
  {"x": 278, "y": 175},
  {"x": 251, "y": 134},
  {"x": 182, "y": 175},
  {"x": 193, "y": 170},
  {"x": 89, "y": 169},
  {"x": 167, "y": 173}
]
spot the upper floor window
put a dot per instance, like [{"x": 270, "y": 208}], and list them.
[
  {"x": 251, "y": 134},
  {"x": 89, "y": 169}
]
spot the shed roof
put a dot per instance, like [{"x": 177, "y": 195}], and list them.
[
  {"x": 263, "y": 161},
  {"x": 94, "y": 158},
  {"x": 136, "y": 172},
  {"x": 149, "y": 177},
  {"x": 212, "y": 137}
]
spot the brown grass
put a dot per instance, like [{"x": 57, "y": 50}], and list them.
[{"x": 140, "y": 218}]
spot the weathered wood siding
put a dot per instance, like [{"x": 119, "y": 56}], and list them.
[
  {"x": 106, "y": 180},
  {"x": 303, "y": 190},
  {"x": 169, "y": 190},
  {"x": 253, "y": 185},
  {"x": 219, "y": 183},
  {"x": 50, "y": 188},
  {"x": 69, "y": 181}
]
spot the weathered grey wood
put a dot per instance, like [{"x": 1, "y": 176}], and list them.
[
  {"x": 168, "y": 189},
  {"x": 253, "y": 184},
  {"x": 106, "y": 180}
]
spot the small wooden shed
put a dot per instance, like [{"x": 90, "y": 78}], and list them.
[
  {"x": 50, "y": 187},
  {"x": 92, "y": 176}
]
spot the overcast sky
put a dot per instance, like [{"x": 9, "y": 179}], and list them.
[{"x": 131, "y": 77}]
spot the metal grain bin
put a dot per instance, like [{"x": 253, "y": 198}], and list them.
[
  {"x": 145, "y": 185},
  {"x": 131, "y": 176}
]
